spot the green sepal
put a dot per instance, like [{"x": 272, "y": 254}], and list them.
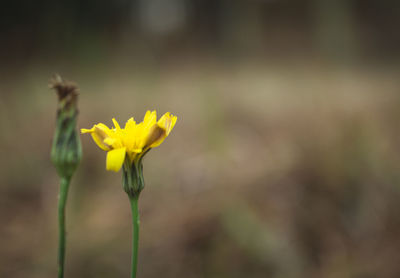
[{"x": 132, "y": 175}]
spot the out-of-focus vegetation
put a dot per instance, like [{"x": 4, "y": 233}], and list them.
[{"x": 284, "y": 161}]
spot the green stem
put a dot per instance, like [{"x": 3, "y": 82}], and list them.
[
  {"x": 135, "y": 233},
  {"x": 62, "y": 200}
]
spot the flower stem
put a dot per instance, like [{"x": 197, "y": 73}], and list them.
[
  {"x": 135, "y": 233},
  {"x": 62, "y": 200}
]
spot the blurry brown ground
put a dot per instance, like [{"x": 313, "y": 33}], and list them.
[{"x": 284, "y": 161}]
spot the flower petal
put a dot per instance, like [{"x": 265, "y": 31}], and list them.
[
  {"x": 173, "y": 122},
  {"x": 167, "y": 121},
  {"x": 149, "y": 119},
  {"x": 115, "y": 159},
  {"x": 99, "y": 133},
  {"x": 85, "y": 130},
  {"x": 156, "y": 136},
  {"x": 130, "y": 124},
  {"x": 111, "y": 141},
  {"x": 116, "y": 124}
]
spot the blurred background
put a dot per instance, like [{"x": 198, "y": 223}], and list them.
[{"x": 284, "y": 161}]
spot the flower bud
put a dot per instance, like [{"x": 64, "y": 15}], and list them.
[{"x": 66, "y": 151}]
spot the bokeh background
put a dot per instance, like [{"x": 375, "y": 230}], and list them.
[{"x": 284, "y": 161}]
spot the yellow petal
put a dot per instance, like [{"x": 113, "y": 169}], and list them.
[
  {"x": 150, "y": 118},
  {"x": 115, "y": 159},
  {"x": 104, "y": 128},
  {"x": 156, "y": 136},
  {"x": 130, "y": 124},
  {"x": 99, "y": 133},
  {"x": 117, "y": 127},
  {"x": 167, "y": 121},
  {"x": 110, "y": 141},
  {"x": 85, "y": 130},
  {"x": 173, "y": 122}
]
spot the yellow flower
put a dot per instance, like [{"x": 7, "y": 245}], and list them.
[{"x": 132, "y": 141}]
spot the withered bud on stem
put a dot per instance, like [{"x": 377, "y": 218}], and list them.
[{"x": 66, "y": 151}]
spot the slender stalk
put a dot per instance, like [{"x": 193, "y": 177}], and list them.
[
  {"x": 135, "y": 233},
  {"x": 62, "y": 200}
]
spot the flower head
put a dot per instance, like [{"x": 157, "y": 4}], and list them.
[{"x": 132, "y": 141}]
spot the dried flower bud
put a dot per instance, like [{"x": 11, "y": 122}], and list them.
[{"x": 66, "y": 151}]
